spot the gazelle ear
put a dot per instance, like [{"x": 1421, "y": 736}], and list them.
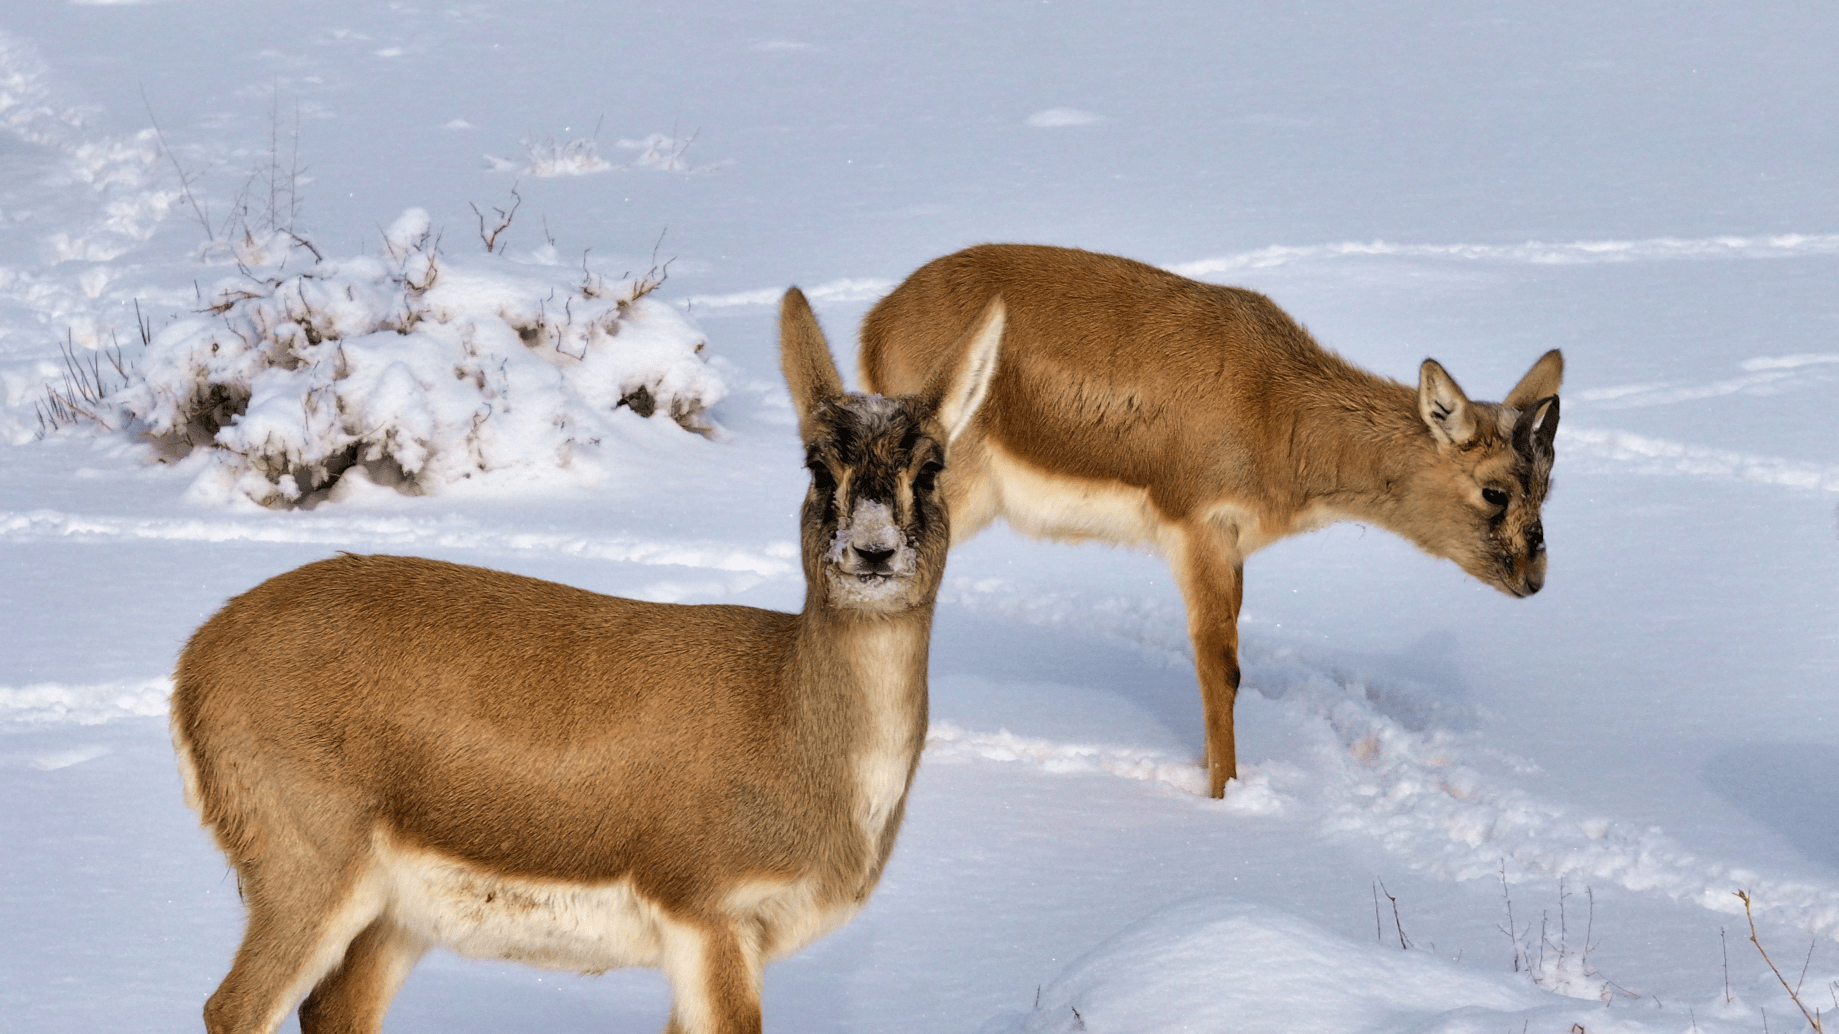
[
  {"x": 1535, "y": 432},
  {"x": 810, "y": 371},
  {"x": 1543, "y": 379},
  {"x": 957, "y": 393},
  {"x": 1445, "y": 409}
]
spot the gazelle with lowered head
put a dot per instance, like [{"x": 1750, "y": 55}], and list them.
[
  {"x": 398, "y": 753},
  {"x": 1137, "y": 406}
]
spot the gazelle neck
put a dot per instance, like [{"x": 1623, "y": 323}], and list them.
[
  {"x": 872, "y": 668},
  {"x": 1359, "y": 443},
  {"x": 874, "y": 645}
]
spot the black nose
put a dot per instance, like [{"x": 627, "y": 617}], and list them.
[{"x": 873, "y": 558}]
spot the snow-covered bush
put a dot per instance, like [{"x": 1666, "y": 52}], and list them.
[{"x": 412, "y": 371}]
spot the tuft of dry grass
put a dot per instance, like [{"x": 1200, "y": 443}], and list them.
[{"x": 79, "y": 395}]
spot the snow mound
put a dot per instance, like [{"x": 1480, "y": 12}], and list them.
[
  {"x": 575, "y": 158},
  {"x": 1217, "y": 964},
  {"x": 662, "y": 151},
  {"x": 414, "y": 373}
]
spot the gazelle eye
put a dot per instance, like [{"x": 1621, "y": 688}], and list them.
[
  {"x": 928, "y": 476},
  {"x": 821, "y": 478},
  {"x": 1494, "y": 496}
]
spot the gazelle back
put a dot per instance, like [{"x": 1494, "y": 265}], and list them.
[{"x": 397, "y": 753}]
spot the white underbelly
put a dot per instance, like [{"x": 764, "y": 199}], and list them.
[
  {"x": 1055, "y": 506},
  {"x": 585, "y": 928},
  {"x": 1036, "y": 502}
]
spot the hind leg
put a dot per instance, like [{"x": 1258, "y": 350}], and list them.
[
  {"x": 298, "y": 929},
  {"x": 354, "y": 996},
  {"x": 714, "y": 980}
]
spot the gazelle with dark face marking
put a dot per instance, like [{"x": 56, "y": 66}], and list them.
[
  {"x": 1140, "y": 407},
  {"x": 398, "y": 753}
]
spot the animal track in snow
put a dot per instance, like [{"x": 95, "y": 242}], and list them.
[
  {"x": 104, "y": 195},
  {"x": 1438, "y": 797}
]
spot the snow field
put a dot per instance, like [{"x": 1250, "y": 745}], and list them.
[{"x": 1650, "y": 190}]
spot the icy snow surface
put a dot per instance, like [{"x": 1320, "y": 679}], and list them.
[{"x": 1654, "y": 189}]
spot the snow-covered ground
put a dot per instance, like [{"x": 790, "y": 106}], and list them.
[{"x": 1653, "y": 188}]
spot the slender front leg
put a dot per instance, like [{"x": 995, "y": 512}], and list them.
[
  {"x": 1211, "y": 575},
  {"x": 714, "y": 980}
]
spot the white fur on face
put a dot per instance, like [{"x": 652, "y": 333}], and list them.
[{"x": 853, "y": 581}]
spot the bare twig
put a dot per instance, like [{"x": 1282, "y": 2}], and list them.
[
  {"x": 490, "y": 237},
  {"x": 185, "y": 181},
  {"x": 1589, "y": 926},
  {"x": 272, "y": 214},
  {"x": 1404, "y": 942},
  {"x": 1512, "y": 930},
  {"x": 1813, "y": 1019},
  {"x": 1725, "y": 950},
  {"x": 293, "y": 175},
  {"x": 1563, "y": 929},
  {"x": 307, "y": 244},
  {"x": 653, "y": 279},
  {"x": 1379, "y": 933}
]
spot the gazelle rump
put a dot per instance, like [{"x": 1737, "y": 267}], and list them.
[
  {"x": 397, "y": 753},
  {"x": 1140, "y": 407}
]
